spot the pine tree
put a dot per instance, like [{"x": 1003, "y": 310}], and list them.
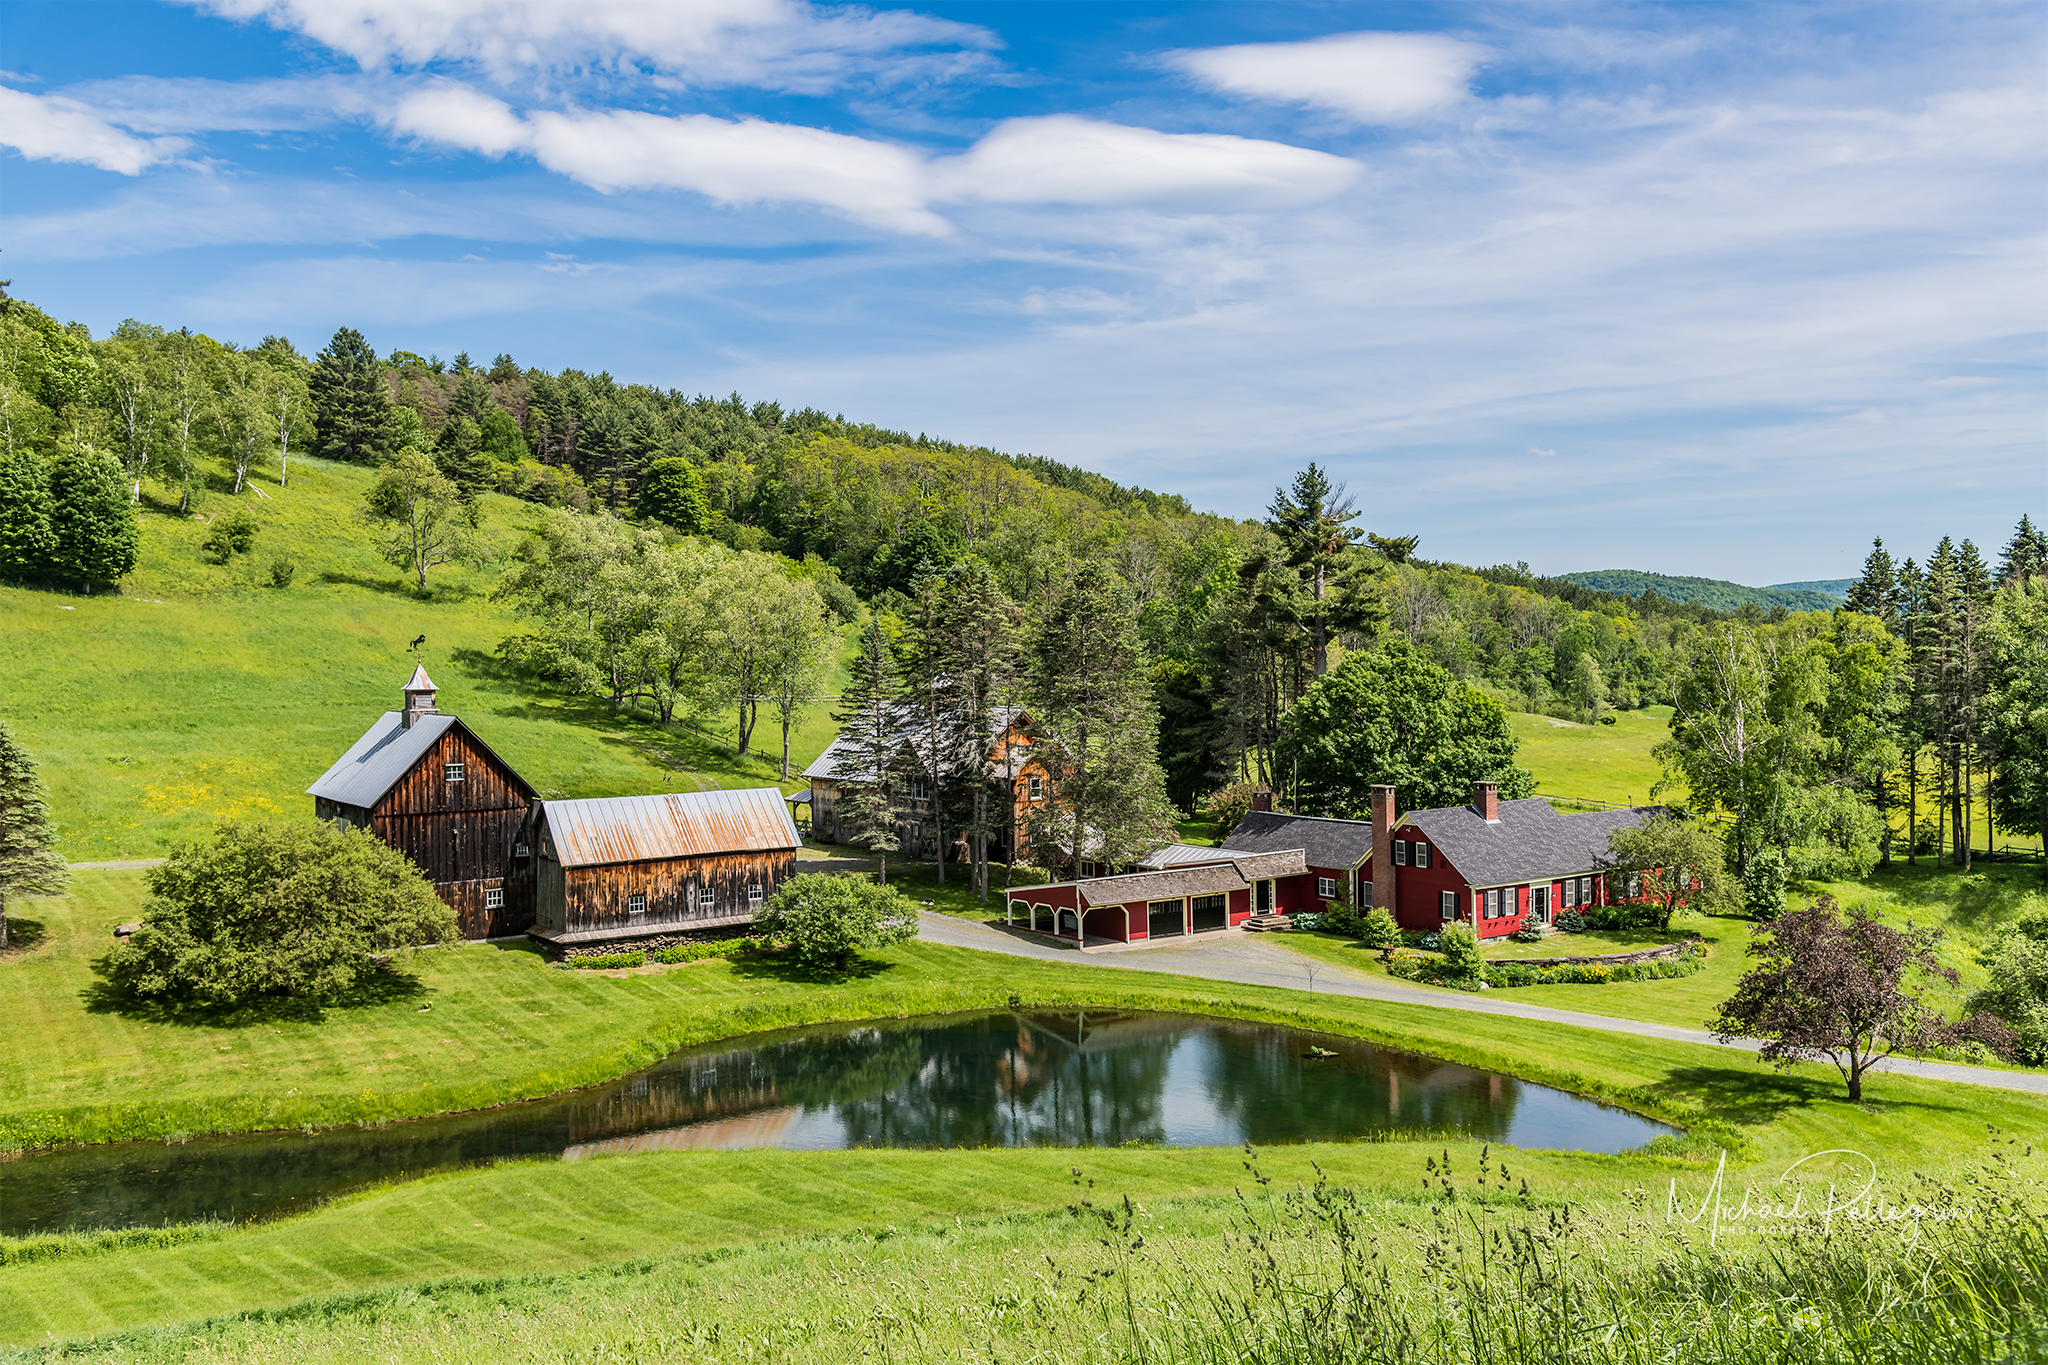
[
  {"x": 923, "y": 673},
  {"x": 871, "y": 726},
  {"x": 2025, "y": 555},
  {"x": 1312, "y": 520},
  {"x": 1090, "y": 696},
  {"x": 29, "y": 862},
  {"x": 979, "y": 625},
  {"x": 27, "y": 544},
  {"x": 92, "y": 523},
  {"x": 1907, "y": 605},
  {"x": 1876, "y": 592},
  {"x": 351, "y": 409}
]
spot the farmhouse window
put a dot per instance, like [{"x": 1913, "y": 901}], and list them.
[
  {"x": 1326, "y": 888},
  {"x": 1492, "y": 904},
  {"x": 754, "y": 894},
  {"x": 706, "y": 898},
  {"x": 1635, "y": 884},
  {"x": 1448, "y": 904},
  {"x": 1571, "y": 897},
  {"x": 452, "y": 771},
  {"x": 636, "y": 904},
  {"x": 494, "y": 898},
  {"x": 1585, "y": 891},
  {"x": 1036, "y": 787},
  {"x": 1400, "y": 853},
  {"x": 1421, "y": 852}
]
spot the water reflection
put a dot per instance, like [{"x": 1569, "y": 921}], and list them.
[{"x": 986, "y": 1080}]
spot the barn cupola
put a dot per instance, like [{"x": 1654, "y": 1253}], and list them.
[{"x": 419, "y": 696}]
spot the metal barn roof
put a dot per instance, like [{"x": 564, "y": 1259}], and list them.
[
  {"x": 1180, "y": 855},
  {"x": 374, "y": 763},
  {"x": 631, "y": 829}
]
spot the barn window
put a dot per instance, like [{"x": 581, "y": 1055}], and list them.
[
  {"x": 522, "y": 850},
  {"x": 754, "y": 895},
  {"x": 1326, "y": 888},
  {"x": 1421, "y": 853},
  {"x": 452, "y": 771},
  {"x": 706, "y": 898},
  {"x": 1447, "y": 904},
  {"x": 636, "y": 904},
  {"x": 1400, "y": 853},
  {"x": 494, "y": 898}
]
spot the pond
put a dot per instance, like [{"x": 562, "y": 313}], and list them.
[{"x": 998, "y": 1079}]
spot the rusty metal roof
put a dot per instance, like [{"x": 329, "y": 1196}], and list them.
[{"x": 632, "y": 829}]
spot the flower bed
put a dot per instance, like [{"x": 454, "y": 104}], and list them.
[{"x": 1652, "y": 964}]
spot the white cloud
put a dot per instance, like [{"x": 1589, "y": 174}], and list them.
[
  {"x": 1067, "y": 160},
  {"x": 779, "y": 44},
  {"x": 1369, "y": 77},
  {"x": 1542, "y": 453},
  {"x": 54, "y": 128},
  {"x": 455, "y": 114}
]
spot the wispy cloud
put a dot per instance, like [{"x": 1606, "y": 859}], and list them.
[
  {"x": 1367, "y": 77},
  {"x": 57, "y": 128}
]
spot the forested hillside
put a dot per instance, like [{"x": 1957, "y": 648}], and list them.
[
  {"x": 1714, "y": 592},
  {"x": 693, "y": 561}
]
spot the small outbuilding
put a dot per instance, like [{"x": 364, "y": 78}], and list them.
[
  {"x": 426, "y": 785},
  {"x": 626, "y": 867}
]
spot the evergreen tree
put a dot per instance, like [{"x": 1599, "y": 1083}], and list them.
[
  {"x": 91, "y": 520},
  {"x": 1876, "y": 592},
  {"x": 1090, "y": 697},
  {"x": 1312, "y": 520},
  {"x": 923, "y": 671},
  {"x": 979, "y": 627},
  {"x": 29, "y": 862},
  {"x": 1908, "y": 606},
  {"x": 2025, "y": 555},
  {"x": 871, "y": 726},
  {"x": 351, "y": 407},
  {"x": 27, "y": 544},
  {"x": 2016, "y": 707}
]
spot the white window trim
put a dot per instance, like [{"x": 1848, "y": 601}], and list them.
[
  {"x": 494, "y": 898},
  {"x": 1400, "y": 853},
  {"x": 1447, "y": 905},
  {"x": 641, "y": 907},
  {"x": 453, "y": 772},
  {"x": 1571, "y": 894},
  {"x": 706, "y": 898},
  {"x": 1326, "y": 888},
  {"x": 1419, "y": 854},
  {"x": 754, "y": 896}
]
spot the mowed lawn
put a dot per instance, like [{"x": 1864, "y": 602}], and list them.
[
  {"x": 201, "y": 693},
  {"x": 1596, "y": 762}
]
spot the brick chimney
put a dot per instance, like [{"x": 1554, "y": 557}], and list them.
[
  {"x": 1262, "y": 800},
  {"x": 1383, "y": 819},
  {"x": 419, "y": 697},
  {"x": 1486, "y": 800}
]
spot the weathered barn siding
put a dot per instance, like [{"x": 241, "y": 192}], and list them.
[{"x": 594, "y": 899}]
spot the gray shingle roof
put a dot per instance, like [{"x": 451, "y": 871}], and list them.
[
  {"x": 1257, "y": 866},
  {"x": 374, "y": 763},
  {"x": 1171, "y": 884},
  {"x": 1532, "y": 841},
  {"x": 1325, "y": 842}
]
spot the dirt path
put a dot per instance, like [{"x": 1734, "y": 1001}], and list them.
[{"x": 1258, "y": 961}]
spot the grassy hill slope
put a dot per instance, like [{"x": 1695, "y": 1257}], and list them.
[
  {"x": 1717, "y": 593},
  {"x": 200, "y": 692}
]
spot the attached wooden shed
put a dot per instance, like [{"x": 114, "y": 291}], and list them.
[
  {"x": 627, "y": 867},
  {"x": 425, "y": 784}
]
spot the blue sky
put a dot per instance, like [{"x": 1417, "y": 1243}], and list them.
[{"x": 1705, "y": 289}]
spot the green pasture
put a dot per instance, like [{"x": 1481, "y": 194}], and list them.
[
  {"x": 1595, "y": 762},
  {"x": 201, "y": 693}
]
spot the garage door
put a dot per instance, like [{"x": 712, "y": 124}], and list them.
[
  {"x": 1166, "y": 919},
  {"x": 1209, "y": 912}
]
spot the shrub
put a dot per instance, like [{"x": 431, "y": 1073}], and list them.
[
  {"x": 234, "y": 534},
  {"x": 826, "y": 919},
  {"x": 1429, "y": 943},
  {"x": 1460, "y": 949},
  {"x": 697, "y": 952},
  {"x": 1511, "y": 974},
  {"x": 1571, "y": 922},
  {"x": 274, "y": 908},
  {"x": 1528, "y": 933},
  {"x": 607, "y": 962},
  {"x": 1343, "y": 919},
  {"x": 282, "y": 570},
  {"x": 1379, "y": 930},
  {"x": 1310, "y": 920},
  {"x": 1763, "y": 885}
]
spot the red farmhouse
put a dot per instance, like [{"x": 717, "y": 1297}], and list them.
[{"x": 1495, "y": 865}]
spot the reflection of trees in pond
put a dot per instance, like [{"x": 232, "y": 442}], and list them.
[
  {"x": 1003, "y": 1081},
  {"x": 1258, "y": 1077}
]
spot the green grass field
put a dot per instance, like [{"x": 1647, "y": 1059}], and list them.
[
  {"x": 200, "y": 693},
  {"x": 1597, "y": 762}
]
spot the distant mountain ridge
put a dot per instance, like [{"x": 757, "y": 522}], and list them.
[{"x": 1815, "y": 595}]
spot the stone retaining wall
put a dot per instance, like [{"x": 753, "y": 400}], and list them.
[{"x": 1609, "y": 959}]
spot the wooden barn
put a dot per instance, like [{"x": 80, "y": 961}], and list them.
[
  {"x": 626, "y": 867},
  {"x": 425, "y": 784}
]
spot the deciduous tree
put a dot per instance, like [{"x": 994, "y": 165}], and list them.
[
  {"x": 1674, "y": 862},
  {"x": 1847, "y": 988},
  {"x": 92, "y": 522},
  {"x": 286, "y": 908},
  {"x": 826, "y": 919},
  {"x": 1390, "y": 715},
  {"x": 672, "y": 492},
  {"x": 29, "y": 862},
  {"x": 427, "y": 522}
]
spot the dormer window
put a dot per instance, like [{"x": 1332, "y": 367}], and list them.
[{"x": 451, "y": 772}]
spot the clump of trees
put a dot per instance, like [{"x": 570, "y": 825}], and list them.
[
  {"x": 65, "y": 521},
  {"x": 2016, "y": 994},
  {"x": 826, "y": 920},
  {"x": 273, "y": 909}
]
